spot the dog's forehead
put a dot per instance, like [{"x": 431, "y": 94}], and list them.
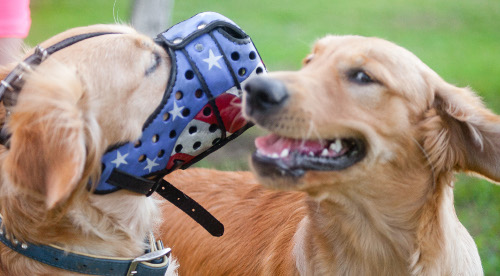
[{"x": 369, "y": 47}]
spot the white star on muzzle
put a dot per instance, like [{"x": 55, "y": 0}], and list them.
[
  {"x": 176, "y": 112},
  {"x": 151, "y": 164},
  {"x": 120, "y": 159},
  {"x": 212, "y": 60}
]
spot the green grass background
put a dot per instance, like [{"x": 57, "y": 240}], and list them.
[{"x": 459, "y": 39}]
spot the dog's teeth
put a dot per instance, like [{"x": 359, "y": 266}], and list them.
[
  {"x": 337, "y": 146},
  {"x": 275, "y": 155},
  {"x": 284, "y": 153},
  {"x": 324, "y": 152},
  {"x": 311, "y": 153}
]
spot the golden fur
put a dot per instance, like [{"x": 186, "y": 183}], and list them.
[
  {"x": 74, "y": 105},
  {"x": 390, "y": 214}
]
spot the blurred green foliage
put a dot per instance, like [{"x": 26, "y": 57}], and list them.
[{"x": 459, "y": 39}]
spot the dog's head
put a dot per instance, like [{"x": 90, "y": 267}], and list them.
[
  {"x": 82, "y": 99},
  {"x": 367, "y": 115}
]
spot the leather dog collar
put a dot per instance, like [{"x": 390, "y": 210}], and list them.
[{"x": 153, "y": 263}]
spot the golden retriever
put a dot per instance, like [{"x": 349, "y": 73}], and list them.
[
  {"x": 364, "y": 143},
  {"x": 71, "y": 108}
]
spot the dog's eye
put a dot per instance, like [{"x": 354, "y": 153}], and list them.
[
  {"x": 155, "y": 62},
  {"x": 360, "y": 77},
  {"x": 307, "y": 59}
]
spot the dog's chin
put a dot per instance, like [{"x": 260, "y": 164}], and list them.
[{"x": 289, "y": 159}]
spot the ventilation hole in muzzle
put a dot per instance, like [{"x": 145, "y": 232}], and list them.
[
  {"x": 172, "y": 134},
  {"x": 235, "y": 56},
  {"x": 207, "y": 111},
  {"x": 242, "y": 71},
  {"x": 196, "y": 145},
  {"x": 142, "y": 158},
  {"x": 166, "y": 116},
  {"x": 186, "y": 112},
  {"x": 252, "y": 55},
  {"x": 215, "y": 141},
  {"x": 178, "y": 148},
  {"x": 189, "y": 74},
  {"x": 155, "y": 138},
  {"x": 213, "y": 128},
  {"x": 161, "y": 153},
  {"x": 259, "y": 70},
  {"x": 198, "y": 93},
  {"x": 193, "y": 130},
  {"x": 137, "y": 144},
  {"x": 178, "y": 95}
]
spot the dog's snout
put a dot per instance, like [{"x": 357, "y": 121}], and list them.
[{"x": 264, "y": 94}]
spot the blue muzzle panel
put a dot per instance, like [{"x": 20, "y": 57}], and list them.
[{"x": 211, "y": 59}]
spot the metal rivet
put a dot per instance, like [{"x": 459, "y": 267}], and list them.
[
  {"x": 177, "y": 40},
  {"x": 1, "y": 231},
  {"x": 198, "y": 47},
  {"x": 24, "y": 246},
  {"x": 201, "y": 26},
  {"x": 15, "y": 242}
]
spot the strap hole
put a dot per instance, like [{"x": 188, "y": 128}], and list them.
[
  {"x": 213, "y": 128},
  {"x": 198, "y": 93},
  {"x": 166, "y": 116},
  {"x": 196, "y": 145},
  {"x": 259, "y": 70},
  {"x": 172, "y": 134},
  {"x": 192, "y": 210},
  {"x": 207, "y": 111},
  {"x": 235, "y": 56},
  {"x": 161, "y": 153},
  {"x": 155, "y": 138},
  {"x": 193, "y": 130},
  {"x": 137, "y": 144},
  {"x": 142, "y": 158},
  {"x": 189, "y": 74},
  {"x": 242, "y": 71},
  {"x": 178, "y": 148},
  {"x": 178, "y": 95},
  {"x": 186, "y": 112},
  {"x": 215, "y": 141},
  {"x": 252, "y": 55}
]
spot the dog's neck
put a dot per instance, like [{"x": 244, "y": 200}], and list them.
[
  {"x": 113, "y": 225},
  {"x": 349, "y": 239},
  {"x": 350, "y": 235}
]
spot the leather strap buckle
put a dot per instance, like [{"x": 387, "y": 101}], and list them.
[{"x": 163, "y": 252}]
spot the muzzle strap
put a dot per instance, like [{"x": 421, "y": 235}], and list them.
[
  {"x": 191, "y": 208},
  {"x": 169, "y": 192}
]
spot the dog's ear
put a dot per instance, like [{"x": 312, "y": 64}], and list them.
[
  {"x": 47, "y": 147},
  {"x": 471, "y": 130}
]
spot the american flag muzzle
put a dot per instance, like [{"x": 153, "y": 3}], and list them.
[{"x": 200, "y": 112}]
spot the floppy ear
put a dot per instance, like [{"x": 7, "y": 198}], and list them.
[
  {"x": 47, "y": 147},
  {"x": 473, "y": 130}
]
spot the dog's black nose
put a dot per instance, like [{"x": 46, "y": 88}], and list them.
[{"x": 265, "y": 94}]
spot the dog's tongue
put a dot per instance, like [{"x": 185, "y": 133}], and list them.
[{"x": 272, "y": 143}]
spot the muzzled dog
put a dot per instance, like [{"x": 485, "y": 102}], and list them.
[
  {"x": 365, "y": 138},
  {"x": 95, "y": 117}
]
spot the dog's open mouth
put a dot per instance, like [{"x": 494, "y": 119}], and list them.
[{"x": 293, "y": 157}]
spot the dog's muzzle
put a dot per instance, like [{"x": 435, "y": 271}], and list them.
[{"x": 200, "y": 111}]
